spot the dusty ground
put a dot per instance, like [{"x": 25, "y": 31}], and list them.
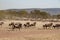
[{"x": 36, "y": 33}]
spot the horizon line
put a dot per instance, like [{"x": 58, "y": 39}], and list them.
[{"x": 25, "y": 8}]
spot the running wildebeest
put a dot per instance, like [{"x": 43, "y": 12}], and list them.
[
  {"x": 47, "y": 25},
  {"x": 27, "y": 24},
  {"x": 12, "y": 23},
  {"x": 56, "y": 26},
  {"x": 34, "y": 24},
  {"x": 15, "y": 25}
]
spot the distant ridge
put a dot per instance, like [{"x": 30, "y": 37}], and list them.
[{"x": 52, "y": 11}]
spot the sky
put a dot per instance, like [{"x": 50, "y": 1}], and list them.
[{"x": 22, "y": 4}]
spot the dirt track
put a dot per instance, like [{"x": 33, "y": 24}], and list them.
[{"x": 30, "y": 35}]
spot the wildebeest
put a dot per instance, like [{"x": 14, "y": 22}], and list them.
[
  {"x": 1, "y": 23},
  {"x": 47, "y": 25},
  {"x": 27, "y": 24},
  {"x": 19, "y": 25},
  {"x": 12, "y": 23},
  {"x": 33, "y": 24},
  {"x": 56, "y": 26}
]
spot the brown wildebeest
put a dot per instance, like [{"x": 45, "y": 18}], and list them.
[
  {"x": 12, "y": 23},
  {"x": 1, "y": 23},
  {"x": 34, "y": 24},
  {"x": 27, "y": 24},
  {"x": 47, "y": 25},
  {"x": 14, "y": 26},
  {"x": 56, "y": 26}
]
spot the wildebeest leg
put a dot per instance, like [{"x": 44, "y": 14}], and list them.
[
  {"x": 43, "y": 27},
  {"x": 13, "y": 28},
  {"x": 1, "y": 25},
  {"x": 19, "y": 29},
  {"x": 54, "y": 27},
  {"x": 46, "y": 27}
]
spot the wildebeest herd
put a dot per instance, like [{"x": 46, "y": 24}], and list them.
[
  {"x": 51, "y": 25},
  {"x": 19, "y": 25}
]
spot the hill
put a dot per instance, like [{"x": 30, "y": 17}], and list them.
[
  {"x": 52, "y": 11},
  {"x": 31, "y": 12}
]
